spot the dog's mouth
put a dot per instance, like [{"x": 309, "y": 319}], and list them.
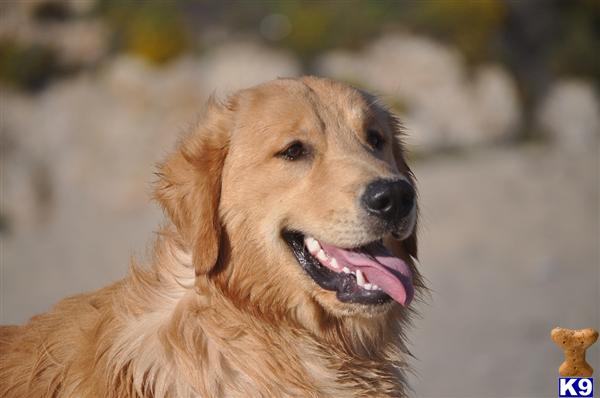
[{"x": 368, "y": 274}]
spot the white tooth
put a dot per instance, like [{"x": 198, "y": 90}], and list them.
[
  {"x": 360, "y": 278},
  {"x": 312, "y": 244},
  {"x": 368, "y": 286},
  {"x": 375, "y": 287},
  {"x": 346, "y": 270},
  {"x": 321, "y": 255},
  {"x": 334, "y": 263}
]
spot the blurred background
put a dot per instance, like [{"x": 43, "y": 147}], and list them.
[{"x": 499, "y": 98}]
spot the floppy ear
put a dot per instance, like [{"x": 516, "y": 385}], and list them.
[
  {"x": 410, "y": 243},
  {"x": 189, "y": 185}
]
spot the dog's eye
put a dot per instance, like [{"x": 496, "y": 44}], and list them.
[
  {"x": 375, "y": 139},
  {"x": 294, "y": 151}
]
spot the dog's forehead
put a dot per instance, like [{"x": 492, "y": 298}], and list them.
[{"x": 308, "y": 103}]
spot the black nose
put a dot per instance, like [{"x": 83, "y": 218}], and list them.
[{"x": 390, "y": 200}]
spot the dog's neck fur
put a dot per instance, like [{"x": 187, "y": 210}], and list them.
[
  {"x": 209, "y": 337},
  {"x": 160, "y": 333}
]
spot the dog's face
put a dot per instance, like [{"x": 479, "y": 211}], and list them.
[{"x": 299, "y": 187}]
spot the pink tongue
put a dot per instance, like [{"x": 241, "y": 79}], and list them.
[{"x": 380, "y": 267}]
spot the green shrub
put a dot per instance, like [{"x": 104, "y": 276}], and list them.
[
  {"x": 26, "y": 67},
  {"x": 152, "y": 29}
]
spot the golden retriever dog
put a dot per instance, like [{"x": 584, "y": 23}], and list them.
[{"x": 285, "y": 267}]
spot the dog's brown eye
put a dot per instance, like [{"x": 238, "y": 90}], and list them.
[
  {"x": 375, "y": 139},
  {"x": 294, "y": 151}
]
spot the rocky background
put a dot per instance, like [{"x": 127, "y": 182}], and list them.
[{"x": 500, "y": 100}]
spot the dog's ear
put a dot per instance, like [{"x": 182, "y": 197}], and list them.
[
  {"x": 409, "y": 244},
  {"x": 189, "y": 185}
]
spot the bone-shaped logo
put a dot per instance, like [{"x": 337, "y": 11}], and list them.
[{"x": 574, "y": 343}]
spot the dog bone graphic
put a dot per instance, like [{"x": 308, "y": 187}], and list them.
[{"x": 574, "y": 343}]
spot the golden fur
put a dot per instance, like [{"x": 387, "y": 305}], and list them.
[{"x": 224, "y": 310}]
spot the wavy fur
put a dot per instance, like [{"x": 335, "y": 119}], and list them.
[{"x": 212, "y": 315}]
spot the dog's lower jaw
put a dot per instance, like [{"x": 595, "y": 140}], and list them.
[
  {"x": 313, "y": 310},
  {"x": 339, "y": 310}
]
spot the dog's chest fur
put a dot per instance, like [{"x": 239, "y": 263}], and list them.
[
  {"x": 288, "y": 363},
  {"x": 152, "y": 335}
]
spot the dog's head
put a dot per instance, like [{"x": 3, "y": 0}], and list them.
[{"x": 295, "y": 194}]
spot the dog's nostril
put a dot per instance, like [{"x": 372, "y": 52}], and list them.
[
  {"x": 381, "y": 202},
  {"x": 389, "y": 199}
]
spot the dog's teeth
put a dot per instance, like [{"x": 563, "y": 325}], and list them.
[
  {"x": 346, "y": 270},
  {"x": 375, "y": 287},
  {"x": 368, "y": 286},
  {"x": 312, "y": 244},
  {"x": 321, "y": 255},
  {"x": 360, "y": 278},
  {"x": 334, "y": 263}
]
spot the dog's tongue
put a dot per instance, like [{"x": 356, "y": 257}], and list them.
[{"x": 380, "y": 267}]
